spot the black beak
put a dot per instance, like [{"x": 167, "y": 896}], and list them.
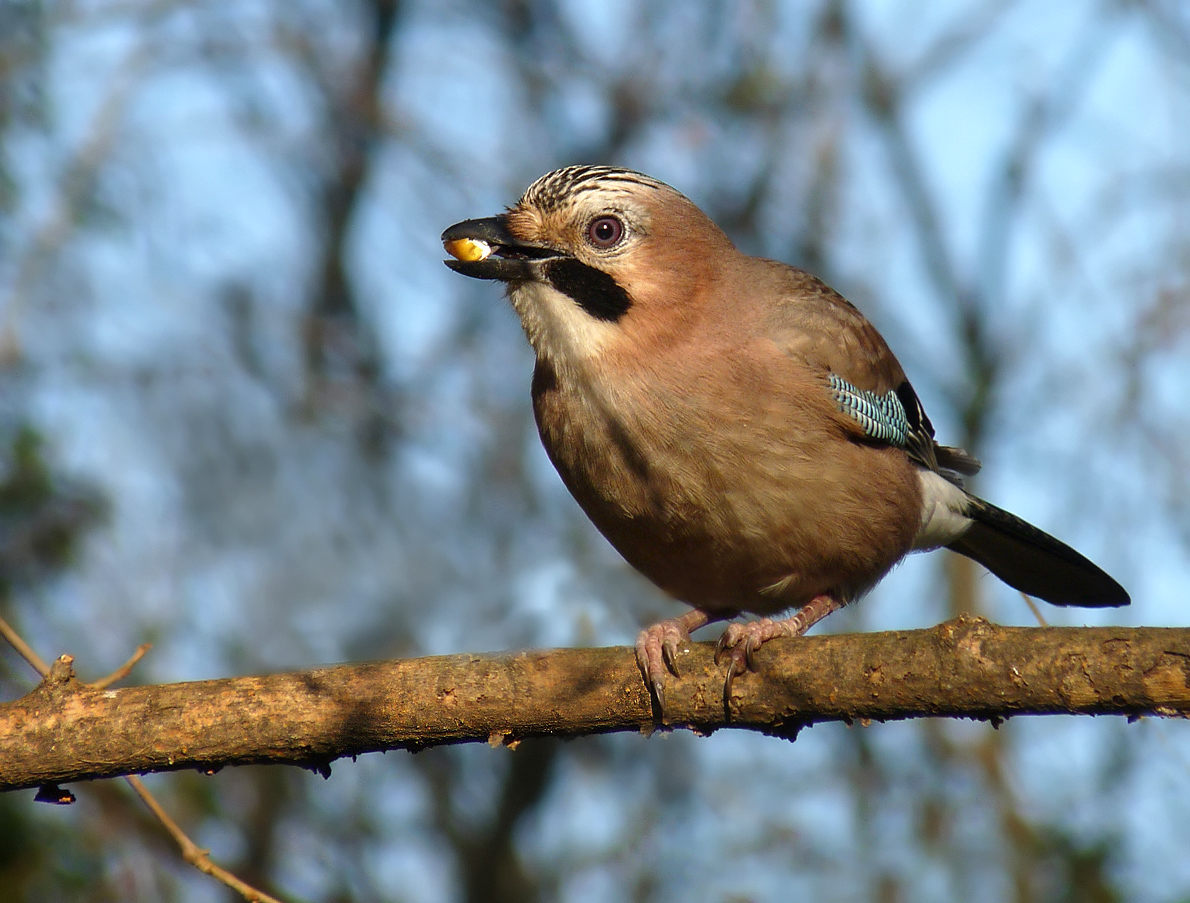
[{"x": 509, "y": 260}]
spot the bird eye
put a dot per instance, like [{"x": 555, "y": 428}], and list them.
[{"x": 605, "y": 232}]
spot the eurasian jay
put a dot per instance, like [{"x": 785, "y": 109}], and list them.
[{"x": 738, "y": 431}]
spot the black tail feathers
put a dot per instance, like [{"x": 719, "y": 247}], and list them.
[{"x": 1034, "y": 562}]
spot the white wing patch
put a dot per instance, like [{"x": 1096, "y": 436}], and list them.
[{"x": 942, "y": 507}]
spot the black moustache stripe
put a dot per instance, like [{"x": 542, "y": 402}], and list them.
[{"x": 593, "y": 290}]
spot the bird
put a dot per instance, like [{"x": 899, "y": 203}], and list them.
[{"x": 738, "y": 431}]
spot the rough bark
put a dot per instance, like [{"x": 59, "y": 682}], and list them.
[{"x": 66, "y": 730}]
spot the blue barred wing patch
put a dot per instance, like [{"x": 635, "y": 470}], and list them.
[{"x": 882, "y": 417}]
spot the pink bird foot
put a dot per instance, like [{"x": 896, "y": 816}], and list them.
[
  {"x": 657, "y": 649},
  {"x": 740, "y": 642}
]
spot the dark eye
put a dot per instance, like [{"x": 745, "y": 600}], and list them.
[{"x": 605, "y": 232}]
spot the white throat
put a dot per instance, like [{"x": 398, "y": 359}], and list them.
[{"x": 558, "y": 329}]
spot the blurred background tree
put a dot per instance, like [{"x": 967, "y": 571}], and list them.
[{"x": 251, "y": 418}]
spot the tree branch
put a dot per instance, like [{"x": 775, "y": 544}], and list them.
[{"x": 67, "y": 731}]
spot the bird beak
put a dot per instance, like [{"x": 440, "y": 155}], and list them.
[{"x": 485, "y": 249}]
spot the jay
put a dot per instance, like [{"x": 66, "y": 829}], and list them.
[{"x": 736, "y": 429}]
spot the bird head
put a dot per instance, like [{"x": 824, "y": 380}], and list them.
[{"x": 595, "y": 259}]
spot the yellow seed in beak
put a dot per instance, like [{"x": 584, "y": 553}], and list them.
[{"x": 468, "y": 249}]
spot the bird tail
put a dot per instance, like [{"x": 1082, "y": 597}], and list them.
[{"x": 1034, "y": 562}]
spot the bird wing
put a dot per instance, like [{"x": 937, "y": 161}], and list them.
[{"x": 823, "y": 330}]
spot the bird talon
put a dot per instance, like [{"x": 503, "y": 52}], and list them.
[
  {"x": 753, "y": 638},
  {"x": 652, "y": 669},
  {"x": 657, "y": 690},
  {"x": 751, "y": 647},
  {"x": 727, "y": 642},
  {"x": 736, "y": 665},
  {"x": 658, "y": 648},
  {"x": 670, "y": 648}
]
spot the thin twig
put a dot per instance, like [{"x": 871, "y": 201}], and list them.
[
  {"x": 1033, "y": 608},
  {"x": 26, "y": 652},
  {"x": 125, "y": 669},
  {"x": 192, "y": 852}
]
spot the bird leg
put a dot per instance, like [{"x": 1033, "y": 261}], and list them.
[
  {"x": 740, "y": 642},
  {"x": 657, "y": 649}
]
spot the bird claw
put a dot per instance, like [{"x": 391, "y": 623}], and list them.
[
  {"x": 737, "y": 664},
  {"x": 671, "y": 644},
  {"x": 739, "y": 644},
  {"x": 741, "y": 641},
  {"x": 659, "y": 647}
]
